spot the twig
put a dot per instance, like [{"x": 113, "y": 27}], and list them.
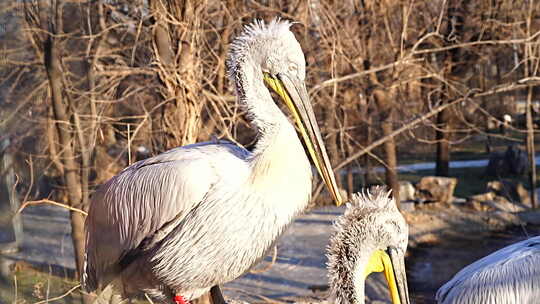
[
  {"x": 16, "y": 288},
  {"x": 59, "y": 297},
  {"x": 266, "y": 268},
  {"x": 47, "y": 201},
  {"x": 476, "y": 43},
  {"x": 148, "y": 298},
  {"x": 362, "y": 73},
  {"x": 496, "y": 90}
]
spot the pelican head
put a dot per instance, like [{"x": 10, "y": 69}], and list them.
[
  {"x": 271, "y": 54},
  {"x": 371, "y": 237}
]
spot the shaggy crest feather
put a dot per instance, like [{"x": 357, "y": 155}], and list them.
[
  {"x": 362, "y": 228},
  {"x": 257, "y": 30},
  {"x": 378, "y": 199}
]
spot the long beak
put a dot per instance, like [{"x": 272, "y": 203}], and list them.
[
  {"x": 294, "y": 93},
  {"x": 392, "y": 263},
  {"x": 396, "y": 276}
]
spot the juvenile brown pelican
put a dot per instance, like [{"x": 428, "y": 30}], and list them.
[
  {"x": 510, "y": 275},
  {"x": 174, "y": 225},
  {"x": 371, "y": 237}
]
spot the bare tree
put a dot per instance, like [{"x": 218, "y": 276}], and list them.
[
  {"x": 531, "y": 70},
  {"x": 453, "y": 34},
  {"x": 51, "y": 46},
  {"x": 101, "y": 81},
  {"x": 176, "y": 46}
]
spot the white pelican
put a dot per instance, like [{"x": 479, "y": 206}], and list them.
[
  {"x": 176, "y": 224},
  {"x": 371, "y": 236},
  {"x": 510, "y": 275}
]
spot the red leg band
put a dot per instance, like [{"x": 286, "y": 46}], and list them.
[{"x": 180, "y": 300}]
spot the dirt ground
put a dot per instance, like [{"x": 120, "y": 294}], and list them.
[{"x": 443, "y": 239}]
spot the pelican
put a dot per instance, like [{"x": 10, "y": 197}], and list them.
[
  {"x": 175, "y": 225},
  {"x": 371, "y": 236},
  {"x": 510, "y": 275}
]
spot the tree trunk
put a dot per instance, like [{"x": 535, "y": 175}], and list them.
[
  {"x": 64, "y": 128},
  {"x": 530, "y": 148},
  {"x": 442, "y": 135},
  {"x": 175, "y": 48},
  {"x": 386, "y": 110},
  {"x": 9, "y": 186},
  {"x": 453, "y": 34},
  {"x": 332, "y": 142},
  {"x": 368, "y": 179}
]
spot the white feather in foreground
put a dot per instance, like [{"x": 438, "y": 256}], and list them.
[{"x": 508, "y": 276}]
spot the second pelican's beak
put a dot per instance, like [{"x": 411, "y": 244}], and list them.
[
  {"x": 392, "y": 263},
  {"x": 294, "y": 93}
]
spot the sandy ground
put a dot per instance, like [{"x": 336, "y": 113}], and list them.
[
  {"x": 300, "y": 262},
  {"x": 440, "y": 239}
]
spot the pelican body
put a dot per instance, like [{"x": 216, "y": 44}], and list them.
[
  {"x": 371, "y": 236},
  {"x": 510, "y": 275},
  {"x": 201, "y": 215}
]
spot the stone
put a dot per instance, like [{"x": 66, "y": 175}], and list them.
[
  {"x": 488, "y": 196},
  {"x": 436, "y": 189},
  {"x": 407, "y": 192},
  {"x": 512, "y": 191},
  {"x": 407, "y": 206},
  {"x": 502, "y": 196}
]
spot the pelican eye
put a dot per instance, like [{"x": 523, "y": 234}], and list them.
[{"x": 293, "y": 67}]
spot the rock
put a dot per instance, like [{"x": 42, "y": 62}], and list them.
[
  {"x": 479, "y": 202},
  {"x": 407, "y": 206},
  {"x": 488, "y": 196},
  {"x": 459, "y": 201},
  {"x": 512, "y": 191},
  {"x": 524, "y": 195},
  {"x": 436, "y": 189},
  {"x": 407, "y": 192},
  {"x": 504, "y": 195}
]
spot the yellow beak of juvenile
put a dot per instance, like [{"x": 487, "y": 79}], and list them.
[
  {"x": 392, "y": 263},
  {"x": 294, "y": 93}
]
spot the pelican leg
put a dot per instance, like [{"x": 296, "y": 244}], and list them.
[
  {"x": 216, "y": 296},
  {"x": 178, "y": 299}
]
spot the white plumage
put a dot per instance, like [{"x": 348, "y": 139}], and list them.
[
  {"x": 510, "y": 275},
  {"x": 371, "y": 223},
  {"x": 200, "y": 215}
]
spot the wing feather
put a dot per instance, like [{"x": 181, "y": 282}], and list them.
[
  {"x": 135, "y": 204},
  {"x": 509, "y": 275}
]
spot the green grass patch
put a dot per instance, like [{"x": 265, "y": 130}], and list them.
[
  {"x": 471, "y": 181},
  {"x": 28, "y": 285},
  {"x": 471, "y": 149}
]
